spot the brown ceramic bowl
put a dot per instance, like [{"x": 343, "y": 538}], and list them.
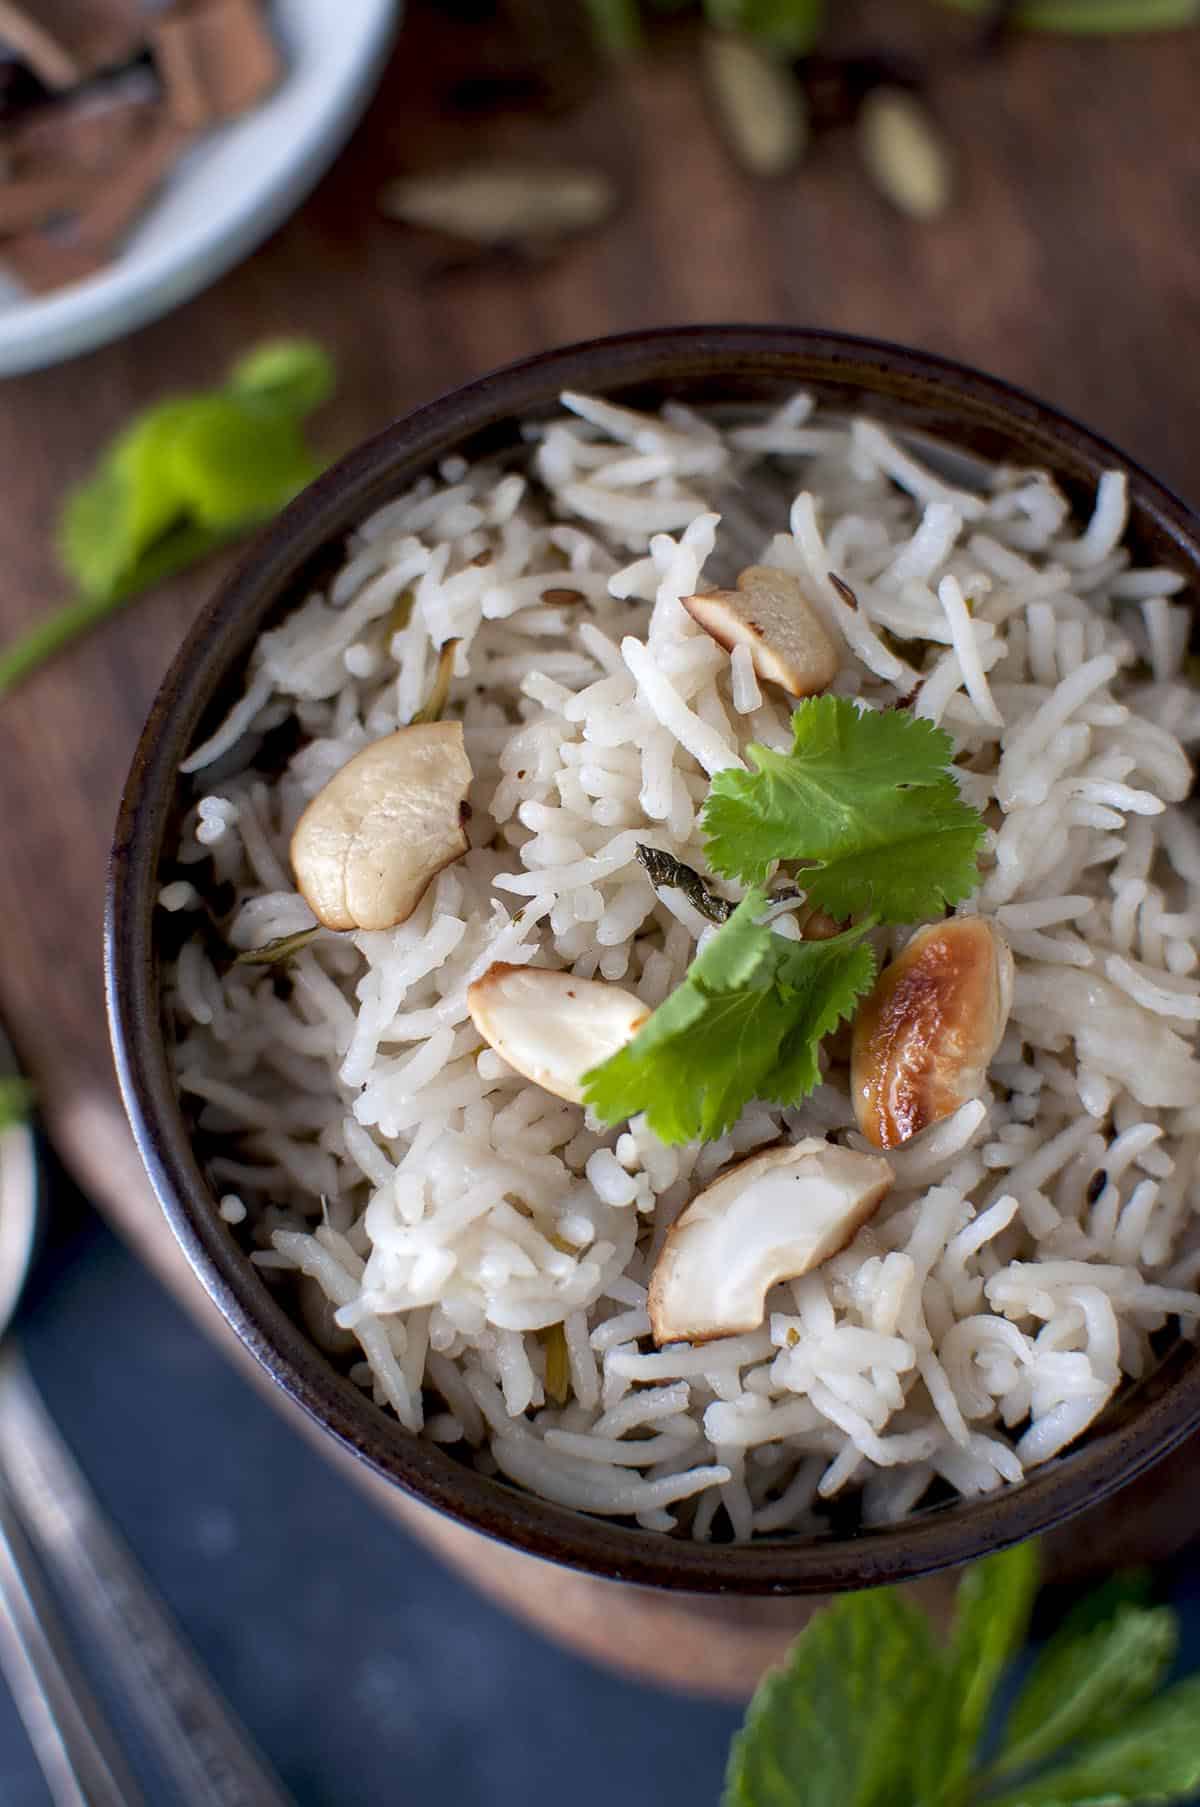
[{"x": 701, "y": 364}]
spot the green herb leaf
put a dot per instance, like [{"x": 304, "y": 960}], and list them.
[
  {"x": 289, "y": 376},
  {"x": 839, "y": 1724},
  {"x": 130, "y": 502},
  {"x": 16, "y": 1098},
  {"x": 790, "y": 26},
  {"x": 745, "y": 1023},
  {"x": 1087, "y": 17},
  {"x": 223, "y": 461},
  {"x": 1086, "y": 1683},
  {"x": 185, "y": 477},
  {"x": 1153, "y": 1757},
  {"x": 617, "y": 24},
  {"x": 230, "y": 464},
  {"x": 868, "y": 797},
  {"x": 993, "y": 1608}
]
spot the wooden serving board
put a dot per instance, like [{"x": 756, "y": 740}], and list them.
[{"x": 1071, "y": 264}]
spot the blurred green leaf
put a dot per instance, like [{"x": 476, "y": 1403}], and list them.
[
  {"x": 290, "y": 376},
  {"x": 1085, "y": 1683},
  {"x": 991, "y": 1622},
  {"x": 789, "y": 26},
  {"x": 219, "y": 461},
  {"x": 617, "y": 24},
  {"x": 1154, "y": 1757},
  {"x": 16, "y": 1098},
  {"x": 187, "y": 475},
  {"x": 1093, "y": 16},
  {"x": 840, "y": 1724},
  {"x": 230, "y": 465}
]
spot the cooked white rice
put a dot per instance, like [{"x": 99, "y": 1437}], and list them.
[{"x": 433, "y": 1213}]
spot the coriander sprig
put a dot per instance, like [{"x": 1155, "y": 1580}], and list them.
[
  {"x": 865, "y": 801},
  {"x": 183, "y": 479},
  {"x": 864, "y": 796},
  {"x": 746, "y": 1023}
]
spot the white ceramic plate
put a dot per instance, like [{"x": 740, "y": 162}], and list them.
[{"x": 229, "y": 192}]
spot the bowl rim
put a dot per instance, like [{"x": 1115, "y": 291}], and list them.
[{"x": 1147, "y": 1428}]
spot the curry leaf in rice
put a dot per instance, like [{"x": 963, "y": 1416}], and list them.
[
  {"x": 746, "y": 1023},
  {"x": 867, "y": 796}
]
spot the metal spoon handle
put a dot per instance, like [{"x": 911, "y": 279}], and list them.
[
  {"x": 79, "y": 1759},
  {"x": 207, "y": 1755}
]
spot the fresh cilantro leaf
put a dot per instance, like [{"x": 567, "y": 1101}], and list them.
[
  {"x": 993, "y": 1609},
  {"x": 1153, "y": 1757},
  {"x": 745, "y": 1023},
  {"x": 130, "y": 502},
  {"x": 868, "y": 797},
  {"x": 1085, "y": 1683},
  {"x": 839, "y": 1725},
  {"x": 183, "y": 478},
  {"x": 288, "y": 376},
  {"x": 224, "y": 460},
  {"x": 231, "y": 464}
]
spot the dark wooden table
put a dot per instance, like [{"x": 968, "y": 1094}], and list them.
[{"x": 1070, "y": 263}]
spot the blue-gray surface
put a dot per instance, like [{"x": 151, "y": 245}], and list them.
[{"x": 368, "y": 1673}]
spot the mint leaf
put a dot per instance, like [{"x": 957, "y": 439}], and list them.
[
  {"x": 868, "y": 797},
  {"x": 839, "y": 1725},
  {"x": 993, "y": 1609},
  {"x": 745, "y": 1023},
  {"x": 1153, "y": 1757},
  {"x": 1087, "y": 1684}
]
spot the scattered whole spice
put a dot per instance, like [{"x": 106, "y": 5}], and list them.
[
  {"x": 760, "y": 105},
  {"x": 843, "y": 589},
  {"x": 558, "y": 1364},
  {"x": 904, "y": 153},
  {"x": 280, "y": 949},
  {"x": 443, "y": 677},
  {"x": 502, "y": 205}
]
